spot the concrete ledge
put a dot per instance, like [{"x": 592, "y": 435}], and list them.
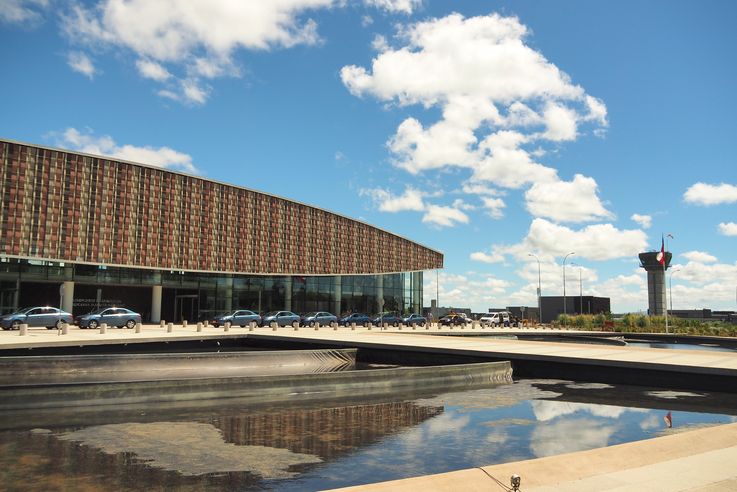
[
  {"x": 261, "y": 388},
  {"x": 692, "y": 460},
  {"x": 65, "y": 369}
]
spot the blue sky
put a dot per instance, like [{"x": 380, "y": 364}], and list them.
[{"x": 485, "y": 130}]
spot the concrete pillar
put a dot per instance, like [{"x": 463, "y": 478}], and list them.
[
  {"x": 156, "y": 304},
  {"x": 67, "y": 296},
  {"x": 228, "y": 293},
  {"x": 338, "y": 287},
  {"x": 288, "y": 293},
  {"x": 379, "y": 293},
  {"x": 417, "y": 292}
]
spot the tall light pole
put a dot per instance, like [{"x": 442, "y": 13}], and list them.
[
  {"x": 564, "y": 280},
  {"x": 539, "y": 290},
  {"x": 580, "y": 287},
  {"x": 670, "y": 288}
]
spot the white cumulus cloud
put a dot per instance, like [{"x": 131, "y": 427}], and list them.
[
  {"x": 728, "y": 228},
  {"x": 80, "y": 62},
  {"x": 105, "y": 145},
  {"x": 198, "y": 38},
  {"x": 645, "y": 221},
  {"x": 566, "y": 201},
  {"x": 22, "y": 11},
  {"x": 595, "y": 242},
  {"x": 152, "y": 70},
  {"x": 500, "y": 102},
  {"x": 403, "y": 6},
  {"x": 707, "y": 194},
  {"x": 411, "y": 199},
  {"x": 699, "y": 257},
  {"x": 444, "y": 216}
]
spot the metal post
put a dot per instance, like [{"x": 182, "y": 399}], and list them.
[
  {"x": 539, "y": 290},
  {"x": 564, "y": 281},
  {"x": 670, "y": 286},
  {"x": 580, "y": 287}
]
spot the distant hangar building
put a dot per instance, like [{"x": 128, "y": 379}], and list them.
[{"x": 81, "y": 231}]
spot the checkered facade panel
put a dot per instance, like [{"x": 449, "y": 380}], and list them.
[{"x": 61, "y": 205}]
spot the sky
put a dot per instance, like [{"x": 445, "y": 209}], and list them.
[{"x": 486, "y": 130}]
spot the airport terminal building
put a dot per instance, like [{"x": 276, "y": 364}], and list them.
[{"x": 82, "y": 231}]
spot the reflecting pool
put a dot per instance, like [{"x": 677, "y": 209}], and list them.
[{"x": 227, "y": 445}]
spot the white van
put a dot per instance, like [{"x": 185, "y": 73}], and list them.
[{"x": 495, "y": 319}]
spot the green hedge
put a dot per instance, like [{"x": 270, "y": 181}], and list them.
[{"x": 642, "y": 323}]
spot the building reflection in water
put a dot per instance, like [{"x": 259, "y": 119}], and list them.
[
  {"x": 328, "y": 432},
  {"x": 42, "y": 460}
]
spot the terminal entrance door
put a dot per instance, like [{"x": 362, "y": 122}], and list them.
[
  {"x": 8, "y": 296},
  {"x": 186, "y": 307}
]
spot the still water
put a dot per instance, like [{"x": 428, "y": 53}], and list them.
[{"x": 224, "y": 445}]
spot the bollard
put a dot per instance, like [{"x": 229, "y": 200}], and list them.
[
  {"x": 226, "y": 327},
  {"x": 207, "y": 323},
  {"x": 400, "y": 326},
  {"x": 65, "y": 329},
  {"x": 184, "y": 323},
  {"x": 414, "y": 326},
  {"x": 317, "y": 325},
  {"x": 353, "y": 325},
  {"x": 138, "y": 328},
  {"x": 169, "y": 327},
  {"x": 199, "y": 327},
  {"x": 370, "y": 324},
  {"x": 427, "y": 326},
  {"x": 163, "y": 323},
  {"x": 335, "y": 326},
  {"x": 385, "y": 326},
  {"x": 273, "y": 325},
  {"x": 103, "y": 328},
  {"x": 23, "y": 331}
]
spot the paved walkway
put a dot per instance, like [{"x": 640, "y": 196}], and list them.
[
  {"x": 683, "y": 361},
  {"x": 688, "y": 361},
  {"x": 695, "y": 461}
]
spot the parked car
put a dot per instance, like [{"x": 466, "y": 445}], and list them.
[
  {"x": 390, "y": 318},
  {"x": 240, "y": 317},
  {"x": 453, "y": 320},
  {"x": 282, "y": 318},
  {"x": 113, "y": 316},
  {"x": 414, "y": 319},
  {"x": 358, "y": 318},
  {"x": 323, "y": 317},
  {"x": 50, "y": 317},
  {"x": 500, "y": 318}
]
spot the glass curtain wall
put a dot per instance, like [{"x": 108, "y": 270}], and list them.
[{"x": 216, "y": 293}]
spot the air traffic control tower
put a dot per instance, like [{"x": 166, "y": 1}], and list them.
[{"x": 655, "y": 281}]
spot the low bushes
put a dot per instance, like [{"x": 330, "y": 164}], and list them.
[{"x": 642, "y": 323}]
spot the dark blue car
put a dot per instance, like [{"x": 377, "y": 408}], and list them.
[
  {"x": 358, "y": 318},
  {"x": 389, "y": 318},
  {"x": 414, "y": 319}
]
